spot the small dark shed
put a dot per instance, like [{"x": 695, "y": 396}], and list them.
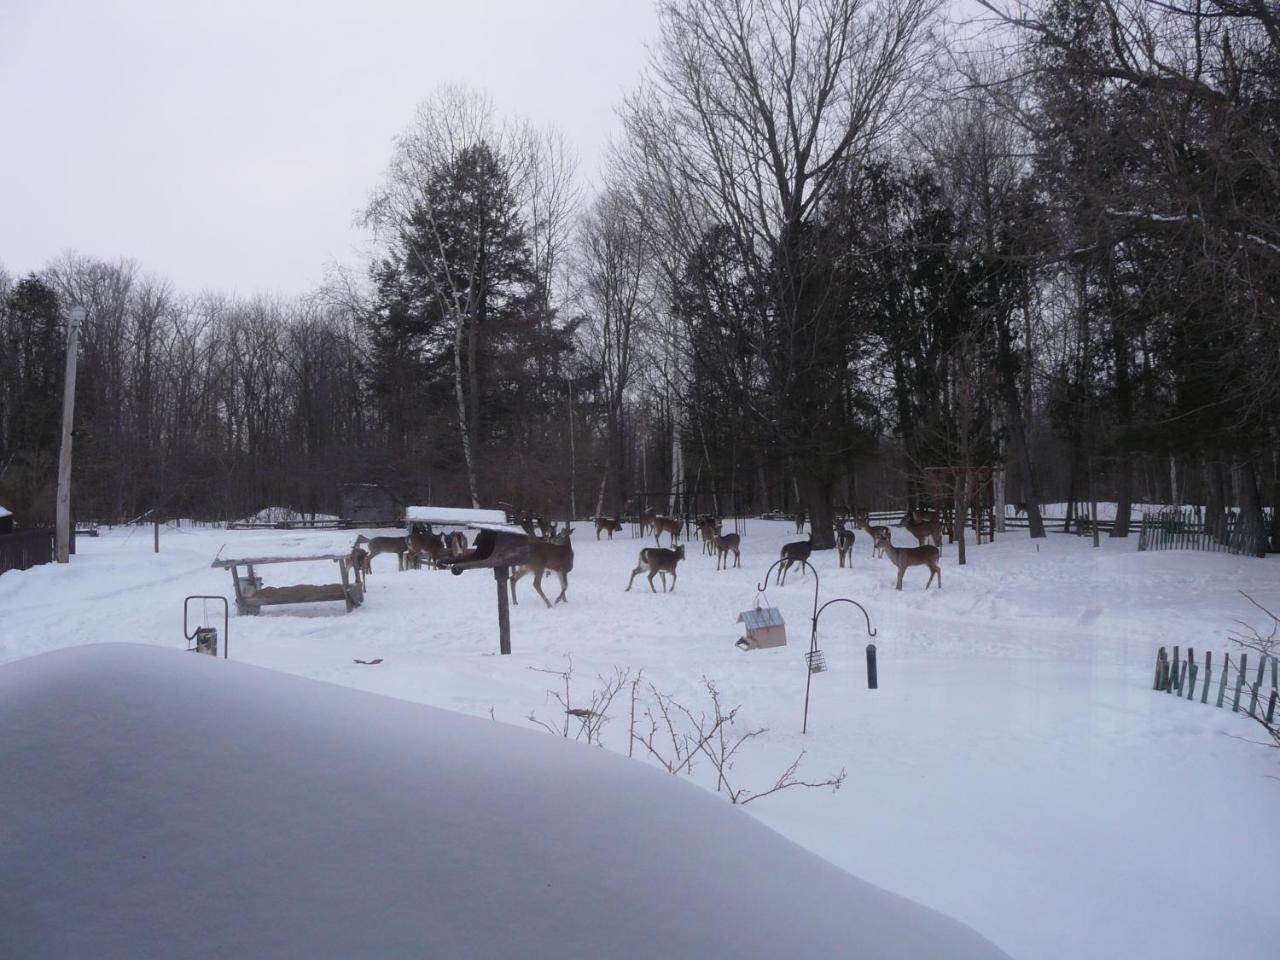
[{"x": 367, "y": 503}]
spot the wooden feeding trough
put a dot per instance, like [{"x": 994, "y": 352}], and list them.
[
  {"x": 765, "y": 628},
  {"x": 499, "y": 546},
  {"x": 252, "y": 596}
]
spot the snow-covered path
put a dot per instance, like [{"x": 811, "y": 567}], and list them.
[{"x": 1014, "y": 770}]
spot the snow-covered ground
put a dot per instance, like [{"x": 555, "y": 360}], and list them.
[{"x": 1014, "y": 770}]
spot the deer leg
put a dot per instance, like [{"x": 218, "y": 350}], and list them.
[
  {"x": 516, "y": 575},
  {"x": 537, "y": 585},
  {"x": 901, "y": 571},
  {"x": 564, "y": 585},
  {"x": 633, "y": 577},
  {"x": 737, "y": 558},
  {"x": 652, "y": 574},
  {"x": 674, "y": 577}
]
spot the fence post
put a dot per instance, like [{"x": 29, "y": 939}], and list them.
[
  {"x": 1173, "y": 680},
  {"x": 1226, "y": 669},
  {"x": 1240, "y": 672},
  {"x": 1208, "y": 676},
  {"x": 1160, "y": 658}
]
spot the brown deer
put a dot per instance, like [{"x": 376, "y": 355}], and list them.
[
  {"x": 457, "y": 543},
  {"x": 725, "y": 544},
  {"x": 862, "y": 520},
  {"x": 609, "y": 525},
  {"x": 799, "y": 518},
  {"x": 844, "y": 542},
  {"x": 429, "y": 544},
  {"x": 397, "y": 545},
  {"x": 668, "y": 525},
  {"x": 708, "y": 529},
  {"x": 793, "y": 553},
  {"x": 658, "y": 561},
  {"x": 359, "y": 562},
  {"x": 923, "y": 525},
  {"x": 905, "y": 557},
  {"x": 646, "y": 522},
  {"x": 555, "y": 555}
]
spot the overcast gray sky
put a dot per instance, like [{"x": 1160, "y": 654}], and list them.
[{"x": 227, "y": 145}]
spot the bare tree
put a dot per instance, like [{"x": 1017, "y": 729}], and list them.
[{"x": 752, "y": 114}]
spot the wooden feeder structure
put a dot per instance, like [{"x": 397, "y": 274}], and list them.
[
  {"x": 765, "y": 628},
  {"x": 499, "y": 546}
]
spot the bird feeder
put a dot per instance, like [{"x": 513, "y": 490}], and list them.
[
  {"x": 765, "y": 628},
  {"x": 498, "y": 547}
]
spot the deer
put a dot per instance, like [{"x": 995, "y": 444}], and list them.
[
  {"x": 610, "y": 525},
  {"x": 359, "y": 561},
  {"x": 799, "y": 518},
  {"x": 429, "y": 544},
  {"x": 725, "y": 544},
  {"x": 556, "y": 555},
  {"x": 457, "y": 543},
  {"x": 658, "y": 561},
  {"x": 796, "y": 552},
  {"x": 863, "y": 521},
  {"x": 376, "y": 545},
  {"x": 646, "y": 522},
  {"x": 844, "y": 542},
  {"x": 923, "y": 525},
  {"x": 668, "y": 525},
  {"x": 708, "y": 529},
  {"x": 906, "y": 557},
  {"x": 545, "y": 527}
]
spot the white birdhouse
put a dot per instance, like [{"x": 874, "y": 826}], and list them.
[{"x": 765, "y": 628}]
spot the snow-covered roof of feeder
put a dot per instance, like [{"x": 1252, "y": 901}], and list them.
[
  {"x": 758, "y": 619},
  {"x": 461, "y": 517},
  {"x": 4, "y": 512}
]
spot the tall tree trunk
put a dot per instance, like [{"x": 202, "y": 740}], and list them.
[
  {"x": 817, "y": 502},
  {"x": 1124, "y": 497},
  {"x": 463, "y": 427},
  {"x": 1246, "y": 485},
  {"x": 1215, "y": 499}
]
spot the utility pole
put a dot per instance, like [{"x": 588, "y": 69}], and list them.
[{"x": 75, "y": 317}]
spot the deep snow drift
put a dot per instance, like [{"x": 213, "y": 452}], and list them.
[
  {"x": 159, "y": 804},
  {"x": 1014, "y": 770}
]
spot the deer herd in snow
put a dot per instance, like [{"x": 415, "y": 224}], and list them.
[{"x": 551, "y": 549}]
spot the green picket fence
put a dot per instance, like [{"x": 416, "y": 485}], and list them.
[
  {"x": 1183, "y": 530},
  {"x": 1236, "y": 685}
]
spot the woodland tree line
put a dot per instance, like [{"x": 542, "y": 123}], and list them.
[{"x": 838, "y": 242}]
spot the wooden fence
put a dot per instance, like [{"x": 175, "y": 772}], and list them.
[
  {"x": 1184, "y": 530},
  {"x": 1179, "y": 678},
  {"x": 24, "y": 549}
]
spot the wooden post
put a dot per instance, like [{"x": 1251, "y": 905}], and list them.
[
  {"x": 502, "y": 575},
  {"x": 1173, "y": 679},
  {"x": 1208, "y": 676},
  {"x": 1093, "y": 507},
  {"x": 1160, "y": 658},
  {"x": 157, "y": 536},
  {"x": 1240, "y": 672},
  {"x": 1222, "y": 684},
  {"x": 75, "y": 316},
  {"x": 1271, "y": 704}
]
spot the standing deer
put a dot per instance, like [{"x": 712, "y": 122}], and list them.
[
  {"x": 426, "y": 544},
  {"x": 863, "y": 521},
  {"x": 668, "y": 525},
  {"x": 359, "y": 562},
  {"x": 799, "y": 518},
  {"x": 555, "y": 555},
  {"x": 708, "y": 529},
  {"x": 792, "y": 553},
  {"x": 844, "y": 542},
  {"x": 923, "y": 525},
  {"x": 397, "y": 545},
  {"x": 609, "y": 525},
  {"x": 457, "y": 542},
  {"x": 905, "y": 557},
  {"x": 725, "y": 544},
  {"x": 658, "y": 561},
  {"x": 646, "y": 522}
]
